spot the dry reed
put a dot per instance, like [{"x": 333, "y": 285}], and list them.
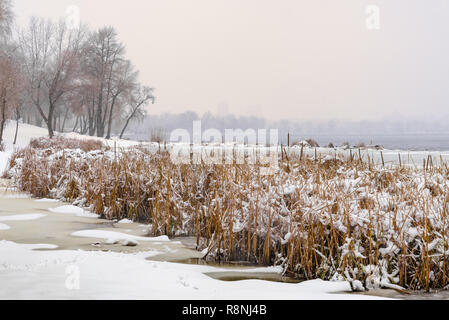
[{"x": 318, "y": 218}]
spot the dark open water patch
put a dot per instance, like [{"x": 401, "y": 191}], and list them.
[
  {"x": 233, "y": 275},
  {"x": 228, "y": 264},
  {"x": 239, "y": 276}
]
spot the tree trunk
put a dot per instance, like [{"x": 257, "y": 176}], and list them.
[
  {"x": 129, "y": 118},
  {"x": 50, "y": 130},
  {"x": 99, "y": 115},
  {"x": 55, "y": 123},
  {"x": 91, "y": 119},
  {"x": 76, "y": 124},
  {"x": 50, "y": 120},
  {"x": 2, "y": 126},
  {"x": 84, "y": 125},
  {"x": 64, "y": 119},
  {"x": 132, "y": 115},
  {"x": 91, "y": 127},
  {"x": 2, "y": 122},
  {"x": 17, "y": 125},
  {"x": 108, "y": 136},
  {"x": 124, "y": 128}
]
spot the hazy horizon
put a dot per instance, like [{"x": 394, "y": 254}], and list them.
[{"x": 310, "y": 59}]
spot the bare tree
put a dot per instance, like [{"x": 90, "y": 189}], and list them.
[
  {"x": 17, "y": 116},
  {"x": 136, "y": 106},
  {"x": 10, "y": 85},
  {"x": 9, "y": 66},
  {"x": 125, "y": 80},
  {"x": 104, "y": 57},
  {"x": 51, "y": 54},
  {"x": 75, "y": 76},
  {"x": 84, "y": 104},
  {"x": 6, "y": 18}
]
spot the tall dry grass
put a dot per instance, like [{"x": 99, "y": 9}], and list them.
[
  {"x": 59, "y": 143},
  {"x": 330, "y": 219}
]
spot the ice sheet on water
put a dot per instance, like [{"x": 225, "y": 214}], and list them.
[
  {"x": 46, "y": 200},
  {"x": 22, "y": 217},
  {"x": 69, "y": 209},
  {"x": 116, "y": 236}
]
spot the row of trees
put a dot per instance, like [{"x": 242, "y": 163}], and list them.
[{"x": 55, "y": 75}]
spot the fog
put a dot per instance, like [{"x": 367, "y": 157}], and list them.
[
  {"x": 298, "y": 60},
  {"x": 406, "y": 133}
]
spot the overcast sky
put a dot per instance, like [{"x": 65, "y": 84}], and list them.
[{"x": 295, "y": 59}]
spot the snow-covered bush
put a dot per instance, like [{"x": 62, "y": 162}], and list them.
[
  {"x": 329, "y": 219},
  {"x": 66, "y": 143}
]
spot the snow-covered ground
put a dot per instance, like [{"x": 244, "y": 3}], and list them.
[
  {"x": 27, "y": 132},
  {"x": 59, "y": 274}
]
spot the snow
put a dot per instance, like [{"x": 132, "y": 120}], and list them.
[
  {"x": 66, "y": 274},
  {"x": 46, "y": 200},
  {"x": 357, "y": 286},
  {"x": 27, "y": 132},
  {"x": 19, "y": 217},
  {"x": 112, "y": 236},
  {"x": 125, "y": 221},
  {"x": 119, "y": 143},
  {"x": 22, "y": 217},
  {"x": 4, "y": 226},
  {"x": 69, "y": 209},
  {"x": 4, "y": 157}
]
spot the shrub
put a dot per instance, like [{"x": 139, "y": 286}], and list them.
[
  {"x": 346, "y": 145},
  {"x": 59, "y": 143},
  {"x": 313, "y": 143}
]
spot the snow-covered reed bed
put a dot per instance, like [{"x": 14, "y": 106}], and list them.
[{"x": 326, "y": 218}]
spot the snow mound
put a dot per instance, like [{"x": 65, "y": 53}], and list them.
[
  {"x": 125, "y": 221},
  {"x": 22, "y": 217},
  {"x": 69, "y": 209},
  {"x": 112, "y": 236},
  {"x": 4, "y": 226}
]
